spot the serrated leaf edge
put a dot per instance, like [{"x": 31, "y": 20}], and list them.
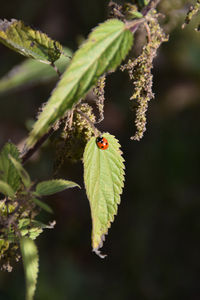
[{"x": 118, "y": 146}]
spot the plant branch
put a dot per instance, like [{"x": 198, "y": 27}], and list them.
[
  {"x": 12, "y": 215},
  {"x": 27, "y": 154},
  {"x": 152, "y": 4},
  {"x": 133, "y": 25}
]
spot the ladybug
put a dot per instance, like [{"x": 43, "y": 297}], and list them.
[{"x": 102, "y": 143}]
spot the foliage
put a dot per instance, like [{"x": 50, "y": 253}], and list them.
[
  {"x": 104, "y": 50},
  {"x": 20, "y": 204},
  {"x": 31, "y": 265},
  {"x": 29, "y": 42},
  {"x": 8, "y": 173},
  {"x": 70, "y": 113},
  {"x": 32, "y": 72},
  {"x": 51, "y": 187},
  {"x": 103, "y": 176}
]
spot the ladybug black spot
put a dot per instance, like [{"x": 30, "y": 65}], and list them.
[{"x": 102, "y": 147}]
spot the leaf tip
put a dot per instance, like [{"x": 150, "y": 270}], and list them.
[
  {"x": 98, "y": 253},
  {"x": 97, "y": 246}
]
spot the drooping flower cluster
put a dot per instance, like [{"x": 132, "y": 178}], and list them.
[
  {"x": 139, "y": 70},
  {"x": 99, "y": 92},
  {"x": 193, "y": 10},
  {"x": 76, "y": 133}
]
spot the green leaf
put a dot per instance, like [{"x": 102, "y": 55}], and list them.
[
  {"x": 21, "y": 171},
  {"x": 31, "y": 72},
  {"x": 6, "y": 189},
  {"x": 8, "y": 173},
  {"x": 43, "y": 205},
  {"x": 32, "y": 228},
  {"x": 103, "y": 177},
  {"x": 31, "y": 265},
  {"x": 104, "y": 50},
  {"x": 51, "y": 187},
  {"x": 32, "y": 232},
  {"x": 29, "y": 42},
  {"x": 142, "y": 3}
]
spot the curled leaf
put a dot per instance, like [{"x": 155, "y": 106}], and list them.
[{"x": 28, "y": 41}]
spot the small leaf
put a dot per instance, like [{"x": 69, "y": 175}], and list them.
[
  {"x": 31, "y": 228},
  {"x": 8, "y": 173},
  {"x": 104, "y": 50},
  {"x": 43, "y": 205},
  {"x": 21, "y": 171},
  {"x": 6, "y": 189},
  {"x": 34, "y": 232},
  {"x": 103, "y": 177},
  {"x": 29, "y": 42},
  {"x": 31, "y": 265},
  {"x": 32, "y": 72},
  {"x": 50, "y": 187}
]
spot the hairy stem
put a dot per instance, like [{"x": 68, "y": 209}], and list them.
[
  {"x": 133, "y": 25},
  {"x": 27, "y": 154},
  {"x": 95, "y": 130}
]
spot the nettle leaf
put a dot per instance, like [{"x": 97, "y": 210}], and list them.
[
  {"x": 51, "y": 187},
  {"x": 103, "y": 177},
  {"x": 6, "y": 189},
  {"x": 21, "y": 171},
  {"x": 32, "y": 72},
  {"x": 8, "y": 173},
  {"x": 29, "y": 229},
  {"x": 32, "y": 228},
  {"x": 28, "y": 41},
  {"x": 31, "y": 265},
  {"x": 104, "y": 50}
]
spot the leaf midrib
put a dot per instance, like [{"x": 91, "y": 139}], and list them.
[{"x": 96, "y": 57}]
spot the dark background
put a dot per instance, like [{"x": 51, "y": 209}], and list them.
[{"x": 153, "y": 246}]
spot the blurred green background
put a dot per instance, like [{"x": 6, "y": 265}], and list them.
[{"x": 153, "y": 246}]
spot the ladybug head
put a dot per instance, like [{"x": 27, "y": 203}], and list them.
[{"x": 99, "y": 139}]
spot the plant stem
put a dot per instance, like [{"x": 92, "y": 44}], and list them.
[
  {"x": 152, "y": 4},
  {"x": 133, "y": 25},
  {"x": 27, "y": 154},
  {"x": 12, "y": 216},
  {"x": 56, "y": 69},
  {"x": 96, "y": 131}
]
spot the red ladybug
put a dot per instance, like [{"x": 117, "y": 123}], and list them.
[{"x": 102, "y": 143}]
